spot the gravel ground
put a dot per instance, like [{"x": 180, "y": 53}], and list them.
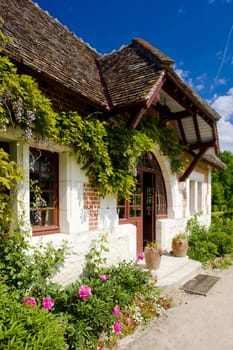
[{"x": 195, "y": 323}]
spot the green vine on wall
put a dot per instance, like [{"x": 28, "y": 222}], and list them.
[
  {"x": 108, "y": 153},
  {"x": 167, "y": 139}
]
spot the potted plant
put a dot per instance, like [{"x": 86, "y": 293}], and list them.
[
  {"x": 152, "y": 254},
  {"x": 180, "y": 245}
]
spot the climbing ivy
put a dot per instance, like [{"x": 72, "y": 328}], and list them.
[
  {"x": 10, "y": 175},
  {"x": 22, "y": 103},
  {"x": 108, "y": 153},
  {"x": 167, "y": 139}
]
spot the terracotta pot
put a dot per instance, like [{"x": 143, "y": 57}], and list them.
[
  {"x": 179, "y": 247},
  {"x": 152, "y": 258}
]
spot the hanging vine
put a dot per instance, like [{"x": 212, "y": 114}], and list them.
[{"x": 108, "y": 153}]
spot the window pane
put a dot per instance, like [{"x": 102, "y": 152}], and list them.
[
  {"x": 43, "y": 188},
  {"x": 47, "y": 217},
  {"x": 49, "y": 199},
  {"x": 47, "y": 164},
  {"x": 121, "y": 213},
  {"x": 35, "y": 217},
  {"x": 47, "y": 182}
]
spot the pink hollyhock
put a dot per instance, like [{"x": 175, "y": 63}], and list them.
[
  {"x": 116, "y": 311},
  {"x": 31, "y": 301},
  {"x": 140, "y": 256},
  {"x": 47, "y": 303},
  {"x": 84, "y": 292},
  {"x": 103, "y": 277},
  {"x": 117, "y": 327}
]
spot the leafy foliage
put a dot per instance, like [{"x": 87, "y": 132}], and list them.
[
  {"x": 206, "y": 245},
  {"x": 27, "y": 327},
  {"x": 122, "y": 294},
  {"x": 222, "y": 184},
  {"x": 25, "y": 267},
  {"x": 119, "y": 298},
  {"x": 22, "y": 103},
  {"x": 166, "y": 138},
  {"x": 10, "y": 174},
  {"x": 108, "y": 153}
]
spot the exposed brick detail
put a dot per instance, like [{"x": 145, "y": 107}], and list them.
[{"x": 92, "y": 204}]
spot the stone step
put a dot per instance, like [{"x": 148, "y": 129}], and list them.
[{"x": 174, "y": 273}]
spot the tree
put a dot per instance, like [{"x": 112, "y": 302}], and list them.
[{"x": 222, "y": 183}]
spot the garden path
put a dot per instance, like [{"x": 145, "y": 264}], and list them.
[{"x": 196, "y": 322}]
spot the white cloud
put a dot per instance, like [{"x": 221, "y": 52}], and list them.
[
  {"x": 225, "y": 131},
  {"x": 220, "y": 81},
  {"x": 199, "y": 87},
  {"x": 224, "y": 106},
  {"x": 183, "y": 74}
]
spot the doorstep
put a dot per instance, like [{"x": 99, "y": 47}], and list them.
[{"x": 175, "y": 271}]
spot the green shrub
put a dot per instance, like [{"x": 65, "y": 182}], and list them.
[
  {"x": 201, "y": 250},
  {"x": 122, "y": 295},
  {"x": 223, "y": 241},
  {"x": 206, "y": 245},
  {"x": 26, "y": 327},
  {"x": 26, "y": 267},
  {"x": 91, "y": 317}
]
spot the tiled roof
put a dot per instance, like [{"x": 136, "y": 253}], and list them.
[
  {"x": 211, "y": 158},
  {"x": 130, "y": 77},
  {"x": 45, "y": 45}
]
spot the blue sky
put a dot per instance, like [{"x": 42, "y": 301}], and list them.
[{"x": 197, "y": 34}]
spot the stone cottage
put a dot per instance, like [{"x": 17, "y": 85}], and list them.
[{"x": 135, "y": 82}]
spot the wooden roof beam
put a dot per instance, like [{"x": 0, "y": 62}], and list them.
[
  {"x": 193, "y": 164},
  {"x": 133, "y": 122},
  {"x": 200, "y": 145}
]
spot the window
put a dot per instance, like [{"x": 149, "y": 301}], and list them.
[
  {"x": 133, "y": 207},
  {"x": 161, "y": 207},
  {"x": 43, "y": 191},
  {"x": 196, "y": 201},
  {"x": 156, "y": 193}
]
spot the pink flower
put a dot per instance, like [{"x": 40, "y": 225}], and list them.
[
  {"x": 116, "y": 311},
  {"x": 140, "y": 256},
  {"x": 117, "y": 327},
  {"x": 100, "y": 347},
  {"x": 103, "y": 277},
  {"x": 47, "y": 303},
  {"x": 84, "y": 292},
  {"x": 31, "y": 301}
]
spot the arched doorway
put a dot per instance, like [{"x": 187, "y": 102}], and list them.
[{"x": 148, "y": 203}]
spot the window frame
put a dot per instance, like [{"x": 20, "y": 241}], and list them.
[{"x": 38, "y": 230}]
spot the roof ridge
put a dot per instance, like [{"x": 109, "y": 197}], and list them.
[{"x": 152, "y": 52}]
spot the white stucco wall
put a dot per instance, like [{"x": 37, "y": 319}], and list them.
[
  {"x": 121, "y": 245},
  {"x": 74, "y": 220},
  {"x": 167, "y": 228}
]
